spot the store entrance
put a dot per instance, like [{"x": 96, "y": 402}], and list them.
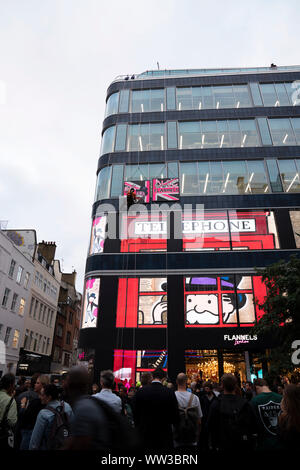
[
  {"x": 202, "y": 365},
  {"x": 234, "y": 363},
  {"x": 210, "y": 365}
]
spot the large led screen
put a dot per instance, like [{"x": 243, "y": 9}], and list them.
[
  {"x": 165, "y": 189},
  {"x": 208, "y": 230},
  {"x": 130, "y": 364},
  {"x": 144, "y": 233},
  {"x": 91, "y": 303},
  {"x": 98, "y": 235},
  {"x": 229, "y": 230},
  {"x": 142, "y": 189},
  {"x": 222, "y": 300},
  {"x": 142, "y": 302}
]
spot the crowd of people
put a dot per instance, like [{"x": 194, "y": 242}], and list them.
[{"x": 157, "y": 415}]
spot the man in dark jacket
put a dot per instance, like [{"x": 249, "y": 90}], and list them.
[
  {"x": 207, "y": 398},
  {"x": 231, "y": 421},
  {"x": 155, "y": 411}
]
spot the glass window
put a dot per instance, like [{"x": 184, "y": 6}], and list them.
[
  {"x": 144, "y": 137},
  {"x": 157, "y": 170},
  {"x": 172, "y": 170},
  {"x": 223, "y": 96},
  {"x": 14, "y": 302},
  {"x": 189, "y": 181},
  {"x": 143, "y": 170},
  {"x": 210, "y": 136},
  {"x": 274, "y": 176},
  {"x": 35, "y": 308},
  {"x": 296, "y": 127},
  {"x": 197, "y": 97},
  {"x": 292, "y": 90},
  {"x": 289, "y": 176},
  {"x": 103, "y": 183},
  {"x": 257, "y": 179},
  {"x": 207, "y": 98},
  {"x": 134, "y": 141},
  {"x": 22, "y": 306},
  {"x": 184, "y": 98},
  {"x": 282, "y": 96},
  {"x": 12, "y": 268},
  {"x": 242, "y": 97},
  {"x": 204, "y": 173},
  {"x": 121, "y": 138},
  {"x": 255, "y": 94},
  {"x": 282, "y": 132},
  {"x": 235, "y": 174},
  {"x": 172, "y": 135},
  {"x": 224, "y": 136},
  {"x": 216, "y": 182},
  {"x": 7, "y": 335},
  {"x": 19, "y": 275},
  {"x": 189, "y": 135},
  {"x": 235, "y": 133},
  {"x": 112, "y": 104},
  {"x": 117, "y": 181},
  {"x": 171, "y": 99},
  {"x": 264, "y": 131},
  {"x": 269, "y": 94},
  {"x": 157, "y": 100},
  {"x": 15, "y": 340},
  {"x": 249, "y": 133},
  {"x": 156, "y": 137},
  {"x": 108, "y": 140},
  {"x": 124, "y": 101},
  {"x": 140, "y": 101},
  {"x": 26, "y": 280},
  {"x": 131, "y": 173}
]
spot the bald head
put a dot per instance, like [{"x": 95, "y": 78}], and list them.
[{"x": 181, "y": 379}]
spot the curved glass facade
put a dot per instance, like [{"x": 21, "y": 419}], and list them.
[
  {"x": 201, "y": 134},
  {"x": 204, "y": 97}
]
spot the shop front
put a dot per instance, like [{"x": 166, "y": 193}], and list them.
[{"x": 210, "y": 365}]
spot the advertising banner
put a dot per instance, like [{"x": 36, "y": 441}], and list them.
[
  {"x": 142, "y": 189},
  {"x": 165, "y": 189},
  {"x": 91, "y": 303}
]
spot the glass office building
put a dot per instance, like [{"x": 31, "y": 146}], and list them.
[{"x": 216, "y": 155}]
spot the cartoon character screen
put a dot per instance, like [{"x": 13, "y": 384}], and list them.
[
  {"x": 222, "y": 300},
  {"x": 91, "y": 303},
  {"x": 98, "y": 235},
  {"x": 142, "y": 302}
]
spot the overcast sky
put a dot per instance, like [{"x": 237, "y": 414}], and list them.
[{"x": 57, "y": 59}]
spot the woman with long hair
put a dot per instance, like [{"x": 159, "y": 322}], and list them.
[{"x": 289, "y": 418}]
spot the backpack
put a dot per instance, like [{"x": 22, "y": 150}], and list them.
[
  {"x": 186, "y": 431},
  {"x": 123, "y": 436},
  {"x": 60, "y": 428},
  {"x": 236, "y": 424}
]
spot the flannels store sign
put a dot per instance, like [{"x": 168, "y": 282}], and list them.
[
  {"x": 198, "y": 226},
  {"x": 239, "y": 339}
]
